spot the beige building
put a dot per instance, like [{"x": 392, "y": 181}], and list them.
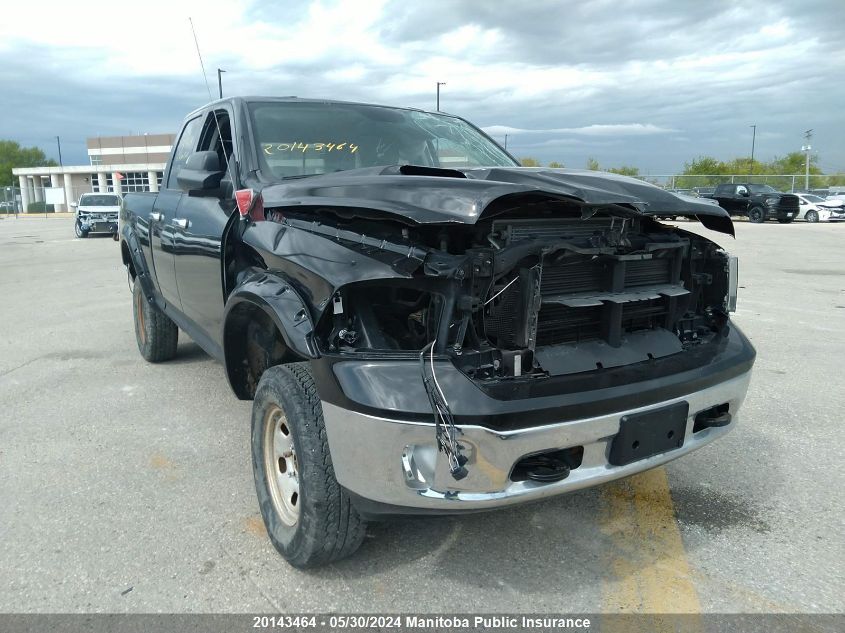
[{"x": 118, "y": 164}]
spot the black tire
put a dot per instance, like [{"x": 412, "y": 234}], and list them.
[
  {"x": 77, "y": 228},
  {"x": 811, "y": 216},
  {"x": 325, "y": 526},
  {"x": 785, "y": 220},
  {"x": 757, "y": 215},
  {"x": 156, "y": 334}
]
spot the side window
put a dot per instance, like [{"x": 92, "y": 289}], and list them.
[
  {"x": 185, "y": 147},
  {"x": 217, "y": 136}
]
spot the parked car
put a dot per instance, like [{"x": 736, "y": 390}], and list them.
[
  {"x": 814, "y": 208},
  {"x": 425, "y": 335},
  {"x": 758, "y": 202},
  {"x": 97, "y": 213}
]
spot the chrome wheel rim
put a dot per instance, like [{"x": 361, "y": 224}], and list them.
[{"x": 281, "y": 466}]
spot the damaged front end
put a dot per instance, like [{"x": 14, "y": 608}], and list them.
[
  {"x": 437, "y": 341},
  {"x": 562, "y": 292}
]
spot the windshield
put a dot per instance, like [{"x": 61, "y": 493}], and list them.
[
  {"x": 99, "y": 201},
  {"x": 812, "y": 198},
  {"x": 762, "y": 189},
  {"x": 302, "y": 139}
]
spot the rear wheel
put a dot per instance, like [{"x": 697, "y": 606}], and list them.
[
  {"x": 756, "y": 215},
  {"x": 811, "y": 216},
  {"x": 308, "y": 516},
  {"x": 156, "y": 335}
]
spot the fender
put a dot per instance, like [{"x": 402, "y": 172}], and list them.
[
  {"x": 282, "y": 304},
  {"x": 132, "y": 255}
]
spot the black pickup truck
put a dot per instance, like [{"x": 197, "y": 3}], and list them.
[
  {"x": 423, "y": 325},
  {"x": 758, "y": 202}
]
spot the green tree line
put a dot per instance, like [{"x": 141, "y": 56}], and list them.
[
  {"x": 13, "y": 155},
  {"x": 708, "y": 171}
]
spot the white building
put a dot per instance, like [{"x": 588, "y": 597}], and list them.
[{"x": 117, "y": 163}]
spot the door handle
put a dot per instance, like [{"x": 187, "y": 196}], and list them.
[
  {"x": 155, "y": 216},
  {"x": 182, "y": 223}
]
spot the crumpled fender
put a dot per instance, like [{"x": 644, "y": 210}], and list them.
[{"x": 278, "y": 299}]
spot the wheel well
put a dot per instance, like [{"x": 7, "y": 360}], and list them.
[
  {"x": 252, "y": 343},
  {"x": 127, "y": 258}
]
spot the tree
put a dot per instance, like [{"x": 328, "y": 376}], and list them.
[
  {"x": 556, "y": 165},
  {"x": 529, "y": 162},
  {"x": 625, "y": 170},
  {"x": 13, "y": 155}
]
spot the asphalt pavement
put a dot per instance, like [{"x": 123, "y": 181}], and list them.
[{"x": 127, "y": 487}]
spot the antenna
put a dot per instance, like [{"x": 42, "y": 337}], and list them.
[
  {"x": 202, "y": 65},
  {"x": 210, "y": 99}
]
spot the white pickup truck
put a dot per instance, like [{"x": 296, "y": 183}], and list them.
[{"x": 97, "y": 213}]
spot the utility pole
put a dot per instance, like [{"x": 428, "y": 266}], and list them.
[
  {"x": 59, "y": 144},
  {"x": 439, "y": 83},
  {"x": 753, "y": 138},
  {"x": 220, "y": 81},
  {"x": 808, "y": 134}
]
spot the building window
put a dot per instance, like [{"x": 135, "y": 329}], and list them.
[
  {"x": 159, "y": 178},
  {"x": 92, "y": 179},
  {"x": 96, "y": 160},
  {"x": 135, "y": 181}
]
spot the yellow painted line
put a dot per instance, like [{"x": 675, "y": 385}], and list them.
[{"x": 648, "y": 571}]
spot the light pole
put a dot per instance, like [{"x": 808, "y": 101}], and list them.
[
  {"x": 506, "y": 141},
  {"x": 59, "y": 144},
  {"x": 220, "y": 81},
  {"x": 439, "y": 83},
  {"x": 753, "y": 138},
  {"x": 806, "y": 148}
]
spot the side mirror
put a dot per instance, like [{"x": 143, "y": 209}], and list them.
[
  {"x": 744, "y": 193},
  {"x": 73, "y": 205},
  {"x": 202, "y": 172}
]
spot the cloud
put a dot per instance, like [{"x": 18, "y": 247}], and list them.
[
  {"x": 652, "y": 83},
  {"x": 624, "y": 129}
]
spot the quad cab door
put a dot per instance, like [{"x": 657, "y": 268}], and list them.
[
  {"x": 163, "y": 228},
  {"x": 200, "y": 221}
]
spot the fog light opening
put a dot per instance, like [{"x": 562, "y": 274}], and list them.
[
  {"x": 549, "y": 466},
  {"x": 712, "y": 417}
]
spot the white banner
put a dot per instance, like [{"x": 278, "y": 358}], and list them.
[{"x": 54, "y": 195}]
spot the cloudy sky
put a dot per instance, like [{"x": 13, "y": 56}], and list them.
[{"x": 650, "y": 83}]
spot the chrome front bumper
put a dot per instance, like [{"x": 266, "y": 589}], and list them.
[{"x": 397, "y": 463}]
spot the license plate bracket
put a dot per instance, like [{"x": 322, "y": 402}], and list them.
[{"x": 648, "y": 433}]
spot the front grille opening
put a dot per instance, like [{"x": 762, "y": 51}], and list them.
[
  {"x": 644, "y": 315},
  {"x": 558, "y": 324},
  {"x": 548, "y": 466},
  {"x": 712, "y": 417}
]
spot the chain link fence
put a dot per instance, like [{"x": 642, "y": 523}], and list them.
[{"x": 791, "y": 183}]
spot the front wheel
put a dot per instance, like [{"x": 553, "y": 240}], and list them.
[
  {"x": 309, "y": 517},
  {"x": 756, "y": 215},
  {"x": 811, "y": 216},
  {"x": 77, "y": 228},
  {"x": 156, "y": 335}
]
